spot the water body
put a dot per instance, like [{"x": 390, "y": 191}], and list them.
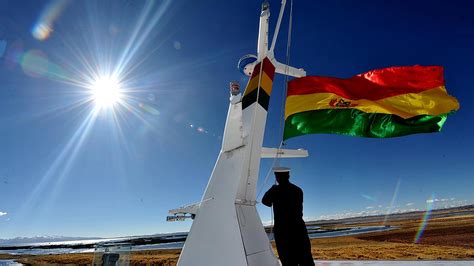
[
  {"x": 318, "y": 233},
  {"x": 45, "y": 251},
  {"x": 159, "y": 246},
  {"x": 9, "y": 263},
  {"x": 313, "y": 232}
]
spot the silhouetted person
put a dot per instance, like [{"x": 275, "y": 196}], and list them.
[{"x": 291, "y": 236}]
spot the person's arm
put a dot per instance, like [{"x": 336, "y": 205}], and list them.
[
  {"x": 267, "y": 199},
  {"x": 300, "y": 200},
  {"x": 300, "y": 196}
]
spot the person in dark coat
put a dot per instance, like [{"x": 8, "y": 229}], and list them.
[{"x": 291, "y": 236}]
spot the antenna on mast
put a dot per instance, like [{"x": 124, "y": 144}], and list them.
[
  {"x": 247, "y": 62},
  {"x": 277, "y": 28}
]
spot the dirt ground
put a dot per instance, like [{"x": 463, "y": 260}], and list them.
[
  {"x": 443, "y": 239},
  {"x": 152, "y": 257}
]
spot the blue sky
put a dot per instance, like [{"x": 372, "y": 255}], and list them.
[{"x": 67, "y": 170}]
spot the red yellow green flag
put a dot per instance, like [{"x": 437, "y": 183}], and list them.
[{"x": 389, "y": 102}]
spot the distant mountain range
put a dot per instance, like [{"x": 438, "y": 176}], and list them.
[
  {"x": 181, "y": 236},
  {"x": 414, "y": 215},
  {"x": 41, "y": 239}
]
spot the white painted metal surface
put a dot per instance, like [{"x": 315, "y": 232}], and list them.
[
  {"x": 290, "y": 71},
  {"x": 283, "y": 153},
  {"x": 227, "y": 229},
  {"x": 214, "y": 238},
  {"x": 262, "y": 43},
  {"x": 191, "y": 209}
]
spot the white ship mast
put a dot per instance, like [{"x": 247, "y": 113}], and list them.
[{"x": 227, "y": 229}]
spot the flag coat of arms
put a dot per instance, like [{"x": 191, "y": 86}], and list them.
[{"x": 382, "y": 103}]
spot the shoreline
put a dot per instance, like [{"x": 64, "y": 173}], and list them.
[
  {"x": 328, "y": 226},
  {"x": 444, "y": 239}
]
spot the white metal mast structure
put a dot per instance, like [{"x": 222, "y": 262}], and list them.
[{"x": 227, "y": 229}]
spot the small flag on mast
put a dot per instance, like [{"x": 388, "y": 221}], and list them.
[{"x": 384, "y": 103}]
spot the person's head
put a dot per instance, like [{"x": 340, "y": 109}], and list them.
[{"x": 282, "y": 175}]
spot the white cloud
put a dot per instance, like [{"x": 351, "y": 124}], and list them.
[
  {"x": 382, "y": 210},
  {"x": 3, "y": 213},
  {"x": 366, "y": 212}
]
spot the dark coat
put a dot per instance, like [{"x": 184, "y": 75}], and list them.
[{"x": 291, "y": 236}]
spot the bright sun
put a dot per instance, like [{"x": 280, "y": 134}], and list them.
[{"x": 106, "y": 91}]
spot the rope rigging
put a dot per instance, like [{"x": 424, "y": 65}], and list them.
[{"x": 276, "y": 160}]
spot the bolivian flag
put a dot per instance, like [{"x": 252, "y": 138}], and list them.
[{"x": 383, "y": 103}]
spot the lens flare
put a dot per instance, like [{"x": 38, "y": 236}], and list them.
[
  {"x": 13, "y": 54},
  {"x": 392, "y": 202},
  {"x": 44, "y": 26},
  {"x": 42, "y": 31},
  {"x": 368, "y": 197},
  {"x": 148, "y": 108},
  {"x": 3, "y": 47},
  {"x": 424, "y": 221},
  {"x": 34, "y": 63},
  {"x": 177, "y": 45},
  {"x": 104, "y": 64},
  {"x": 106, "y": 91}
]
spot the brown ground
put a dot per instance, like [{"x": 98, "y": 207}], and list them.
[
  {"x": 444, "y": 239},
  {"x": 152, "y": 257}
]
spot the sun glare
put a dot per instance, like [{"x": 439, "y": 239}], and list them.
[{"x": 106, "y": 91}]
